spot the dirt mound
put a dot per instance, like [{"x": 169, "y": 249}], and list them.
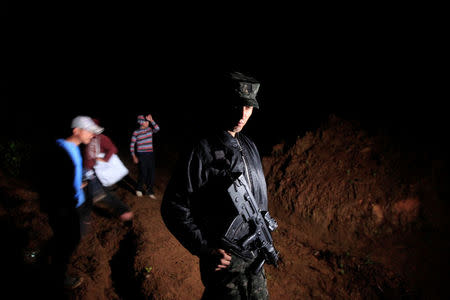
[{"x": 362, "y": 200}]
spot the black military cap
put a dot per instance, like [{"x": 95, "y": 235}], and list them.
[{"x": 245, "y": 89}]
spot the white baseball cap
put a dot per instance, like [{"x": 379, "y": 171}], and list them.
[{"x": 86, "y": 123}]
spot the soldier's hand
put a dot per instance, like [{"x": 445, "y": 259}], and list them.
[{"x": 224, "y": 259}]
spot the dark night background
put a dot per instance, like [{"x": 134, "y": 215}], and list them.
[{"x": 103, "y": 62}]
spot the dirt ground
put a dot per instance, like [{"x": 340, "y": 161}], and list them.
[{"x": 358, "y": 216}]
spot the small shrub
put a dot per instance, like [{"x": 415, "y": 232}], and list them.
[{"x": 13, "y": 155}]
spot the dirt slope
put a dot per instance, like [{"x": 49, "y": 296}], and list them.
[{"x": 374, "y": 211}]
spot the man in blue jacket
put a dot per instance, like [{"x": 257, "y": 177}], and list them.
[{"x": 64, "y": 198}]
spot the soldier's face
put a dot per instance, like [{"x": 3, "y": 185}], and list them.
[{"x": 239, "y": 117}]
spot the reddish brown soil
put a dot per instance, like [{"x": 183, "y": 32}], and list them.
[{"x": 358, "y": 219}]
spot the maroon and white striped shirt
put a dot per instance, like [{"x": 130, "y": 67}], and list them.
[{"x": 142, "y": 139}]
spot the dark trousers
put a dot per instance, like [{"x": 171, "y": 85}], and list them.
[
  {"x": 146, "y": 172},
  {"x": 65, "y": 223},
  {"x": 236, "y": 282},
  {"x": 105, "y": 199}
]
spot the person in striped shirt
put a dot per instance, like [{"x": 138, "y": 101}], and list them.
[{"x": 141, "y": 149}]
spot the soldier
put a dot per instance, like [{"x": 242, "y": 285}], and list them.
[{"x": 195, "y": 209}]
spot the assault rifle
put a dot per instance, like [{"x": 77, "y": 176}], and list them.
[{"x": 250, "y": 231}]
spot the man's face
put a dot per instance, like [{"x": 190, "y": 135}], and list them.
[
  {"x": 84, "y": 135},
  {"x": 239, "y": 117}
]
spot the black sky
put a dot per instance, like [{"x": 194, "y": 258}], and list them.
[{"x": 385, "y": 77}]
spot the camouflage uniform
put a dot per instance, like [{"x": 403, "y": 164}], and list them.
[{"x": 236, "y": 282}]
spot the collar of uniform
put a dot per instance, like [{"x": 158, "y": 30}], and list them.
[{"x": 228, "y": 140}]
